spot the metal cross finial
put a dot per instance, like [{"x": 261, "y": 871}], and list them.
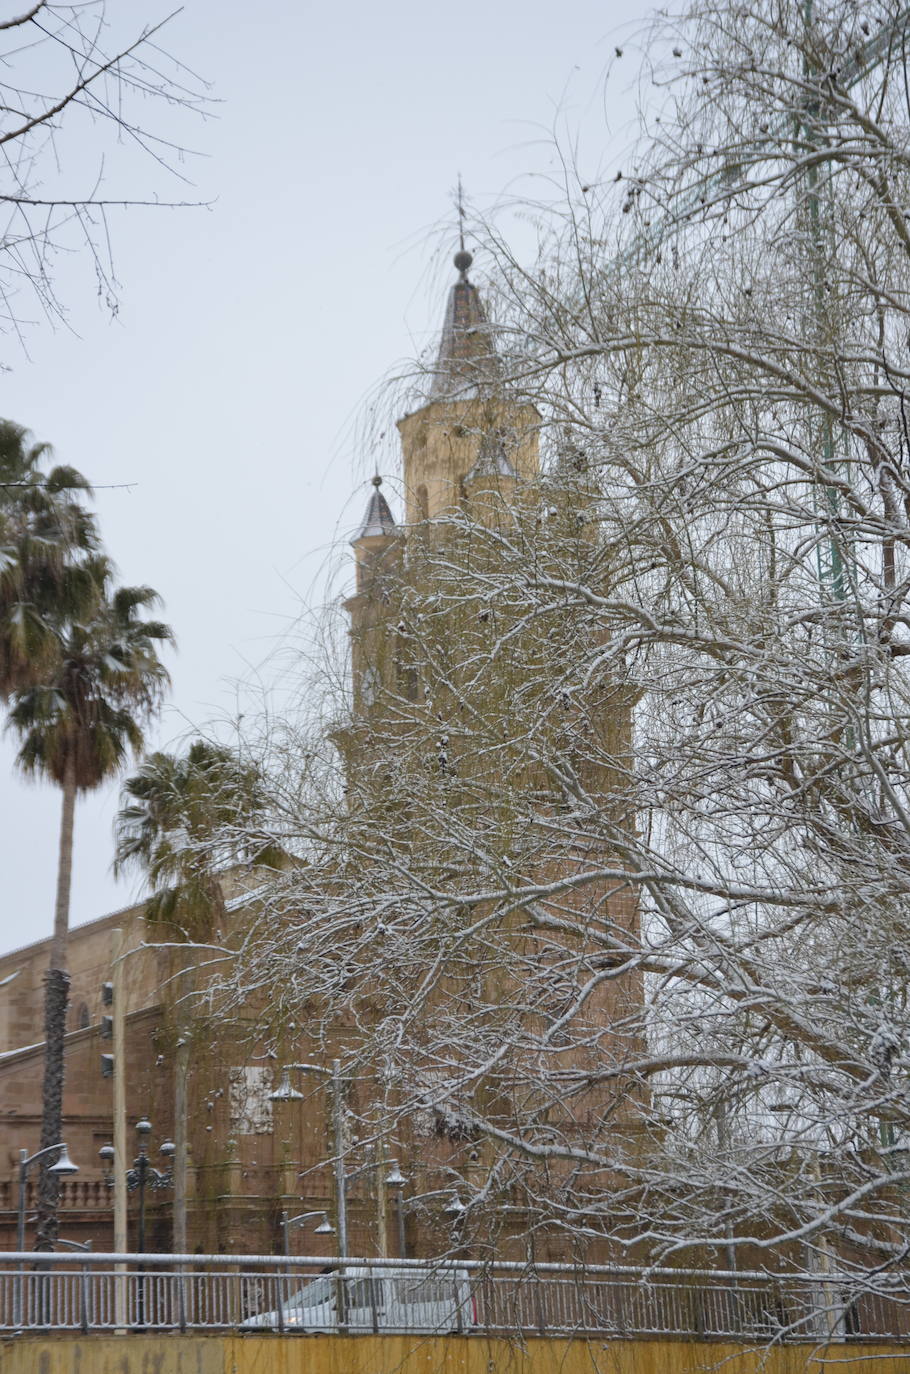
[
  {"x": 463, "y": 259},
  {"x": 459, "y": 205}
]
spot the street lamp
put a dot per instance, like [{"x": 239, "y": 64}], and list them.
[
  {"x": 142, "y": 1175},
  {"x": 396, "y": 1179},
  {"x": 85, "y": 1246},
  {"x": 63, "y": 1166},
  {"x": 285, "y": 1092},
  {"x": 325, "y": 1227}
]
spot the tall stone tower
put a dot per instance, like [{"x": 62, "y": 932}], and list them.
[{"x": 479, "y": 761}]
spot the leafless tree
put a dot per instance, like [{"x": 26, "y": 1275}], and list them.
[
  {"x": 607, "y": 878},
  {"x": 74, "y": 102}
]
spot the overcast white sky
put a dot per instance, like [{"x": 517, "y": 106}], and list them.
[{"x": 228, "y": 389}]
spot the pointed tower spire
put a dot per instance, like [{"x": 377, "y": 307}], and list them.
[
  {"x": 374, "y": 541},
  {"x": 378, "y": 549},
  {"x": 379, "y": 520},
  {"x": 467, "y": 363},
  {"x": 470, "y": 430}
]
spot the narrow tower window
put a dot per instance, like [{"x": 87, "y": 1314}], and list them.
[{"x": 423, "y": 504}]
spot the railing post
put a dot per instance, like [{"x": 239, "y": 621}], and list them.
[
  {"x": 282, "y": 1288},
  {"x": 83, "y": 1302},
  {"x": 181, "y": 1297},
  {"x": 341, "y": 1299},
  {"x": 20, "y": 1234},
  {"x": 374, "y": 1306},
  {"x": 459, "y": 1315},
  {"x": 539, "y": 1303}
]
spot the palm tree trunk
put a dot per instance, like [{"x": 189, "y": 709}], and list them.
[{"x": 56, "y": 998}]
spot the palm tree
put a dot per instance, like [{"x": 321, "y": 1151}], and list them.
[
  {"x": 46, "y": 540},
  {"x": 77, "y": 728},
  {"x": 182, "y": 820}
]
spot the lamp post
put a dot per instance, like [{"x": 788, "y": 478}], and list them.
[
  {"x": 285, "y": 1092},
  {"x": 396, "y": 1180},
  {"x": 142, "y": 1175},
  {"x": 86, "y": 1247},
  {"x": 325, "y": 1227},
  {"x": 61, "y": 1168}
]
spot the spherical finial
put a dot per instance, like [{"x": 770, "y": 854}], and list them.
[
  {"x": 463, "y": 260},
  {"x": 377, "y": 480}
]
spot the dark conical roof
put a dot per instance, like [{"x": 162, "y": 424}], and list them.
[
  {"x": 467, "y": 360},
  {"x": 378, "y": 520}
]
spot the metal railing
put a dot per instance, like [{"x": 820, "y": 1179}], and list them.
[{"x": 96, "y": 1292}]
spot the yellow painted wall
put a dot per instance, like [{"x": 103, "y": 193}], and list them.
[{"x": 172, "y": 1354}]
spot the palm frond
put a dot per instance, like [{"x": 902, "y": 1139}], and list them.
[
  {"x": 185, "y": 818},
  {"x": 89, "y": 713}
]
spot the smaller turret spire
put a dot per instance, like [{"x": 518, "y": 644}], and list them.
[{"x": 379, "y": 520}]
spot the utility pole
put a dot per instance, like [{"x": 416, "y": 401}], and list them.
[
  {"x": 340, "y": 1180},
  {"x": 382, "y": 1234},
  {"x": 118, "y": 1024},
  {"x": 181, "y": 1068}
]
